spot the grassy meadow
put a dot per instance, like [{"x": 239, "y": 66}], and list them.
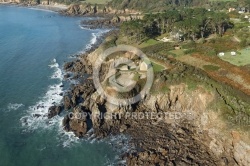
[{"x": 241, "y": 59}]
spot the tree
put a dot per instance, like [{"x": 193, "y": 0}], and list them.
[
  {"x": 194, "y": 27},
  {"x": 204, "y": 23},
  {"x": 219, "y": 22},
  {"x": 134, "y": 30},
  {"x": 151, "y": 26}
]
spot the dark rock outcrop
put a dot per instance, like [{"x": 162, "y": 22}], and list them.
[
  {"x": 54, "y": 110},
  {"x": 76, "y": 122},
  {"x": 84, "y": 9},
  {"x": 67, "y": 103}
]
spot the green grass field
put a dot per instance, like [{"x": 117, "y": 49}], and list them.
[
  {"x": 241, "y": 59},
  {"x": 177, "y": 52},
  {"x": 149, "y": 42},
  {"x": 96, "y": 1},
  {"x": 157, "y": 67}
]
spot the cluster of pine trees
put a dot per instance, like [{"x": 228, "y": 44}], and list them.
[
  {"x": 159, "y": 5},
  {"x": 148, "y": 5},
  {"x": 191, "y": 23}
]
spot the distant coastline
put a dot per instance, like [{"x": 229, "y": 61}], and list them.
[{"x": 54, "y": 7}]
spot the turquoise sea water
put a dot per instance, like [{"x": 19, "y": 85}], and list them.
[{"x": 33, "y": 47}]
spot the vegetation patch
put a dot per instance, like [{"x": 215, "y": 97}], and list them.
[
  {"x": 211, "y": 68},
  {"x": 149, "y": 42},
  {"x": 97, "y": 1},
  {"x": 157, "y": 67},
  {"x": 241, "y": 58},
  {"x": 187, "y": 24},
  {"x": 137, "y": 76},
  {"x": 223, "y": 0},
  {"x": 177, "y": 52}
]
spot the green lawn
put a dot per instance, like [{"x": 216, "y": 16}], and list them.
[
  {"x": 241, "y": 59},
  {"x": 177, "y": 52},
  {"x": 157, "y": 67},
  {"x": 149, "y": 42}
]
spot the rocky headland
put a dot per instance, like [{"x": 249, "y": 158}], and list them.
[
  {"x": 205, "y": 125},
  {"x": 94, "y": 9},
  {"x": 108, "y": 17},
  {"x": 195, "y": 129}
]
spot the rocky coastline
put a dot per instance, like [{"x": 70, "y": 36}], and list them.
[
  {"x": 136, "y": 129},
  {"x": 197, "y": 137},
  {"x": 52, "y": 7},
  {"x": 193, "y": 139}
]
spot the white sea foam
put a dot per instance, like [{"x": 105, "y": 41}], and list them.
[
  {"x": 37, "y": 114},
  {"x": 42, "y": 9},
  {"x": 67, "y": 138},
  {"x": 95, "y": 37},
  {"x": 36, "y": 117},
  {"x": 121, "y": 142},
  {"x": 13, "y": 107},
  {"x": 58, "y": 72},
  {"x": 85, "y": 28}
]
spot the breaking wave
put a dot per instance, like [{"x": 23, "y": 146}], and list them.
[
  {"x": 14, "y": 107},
  {"x": 95, "y": 38},
  {"x": 37, "y": 114}
]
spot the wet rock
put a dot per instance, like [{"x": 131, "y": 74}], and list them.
[
  {"x": 66, "y": 76},
  {"x": 37, "y": 115},
  {"x": 65, "y": 123},
  {"x": 67, "y": 102},
  {"x": 123, "y": 128},
  {"x": 68, "y": 65},
  {"x": 76, "y": 122},
  {"x": 53, "y": 111},
  {"x": 79, "y": 127}
]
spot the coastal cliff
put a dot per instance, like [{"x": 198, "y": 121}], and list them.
[
  {"x": 194, "y": 131},
  {"x": 86, "y": 8}
]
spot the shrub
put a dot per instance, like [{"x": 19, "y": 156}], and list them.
[
  {"x": 211, "y": 68},
  {"x": 189, "y": 51},
  {"x": 189, "y": 45}
]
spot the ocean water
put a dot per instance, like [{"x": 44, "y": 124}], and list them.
[{"x": 33, "y": 47}]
